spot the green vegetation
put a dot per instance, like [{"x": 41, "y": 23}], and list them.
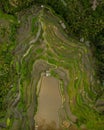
[
  {"x": 81, "y": 18},
  {"x": 40, "y": 36},
  {"x": 84, "y": 22},
  {"x": 7, "y": 44}
]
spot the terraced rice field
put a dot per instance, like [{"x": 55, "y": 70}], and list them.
[{"x": 43, "y": 45}]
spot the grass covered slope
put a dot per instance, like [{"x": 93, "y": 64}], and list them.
[
  {"x": 42, "y": 44},
  {"x": 83, "y": 17},
  {"x": 8, "y": 25}
]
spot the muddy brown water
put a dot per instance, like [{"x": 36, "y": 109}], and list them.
[{"x": 49, "y": 101}]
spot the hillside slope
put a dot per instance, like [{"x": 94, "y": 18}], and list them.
[{"x": 41, "y": 44}]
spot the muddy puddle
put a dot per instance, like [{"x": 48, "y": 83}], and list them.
[{"x": 49, "y": 102}]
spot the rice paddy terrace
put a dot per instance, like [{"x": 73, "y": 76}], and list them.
[{"x": 43, "y": 49}]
